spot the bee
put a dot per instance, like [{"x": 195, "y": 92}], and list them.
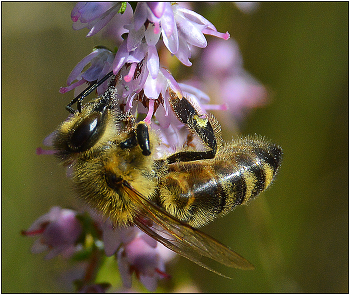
[{"x": 115, "y": 171}]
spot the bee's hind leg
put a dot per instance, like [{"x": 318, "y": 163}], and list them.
[{"x": 206, "y": 127}]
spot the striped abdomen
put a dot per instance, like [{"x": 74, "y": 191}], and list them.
[{"x": 197, "y": 192}]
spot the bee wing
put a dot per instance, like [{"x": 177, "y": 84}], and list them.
[{"x": 180, "y": 237}]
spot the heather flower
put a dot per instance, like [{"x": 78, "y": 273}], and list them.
[
  {"x": 199, "y": 99},
  {"x": 136, "y": 252},
  {"x": 242, "y": 93},
  {"x": 94, "y": 15},
  {"x": 221, "y": 59},
  {"x": 228, "y": 81},
  {"x": 180, "y": 28},
  {"x": 113, "y": 237},
  {"x": 156, "y": 90},
  {"x": 101, "y": 64},
  {"x": 58, "y": 232},
  {"x": 192, "y": 28},
  {"x": 146, "y": 257}
]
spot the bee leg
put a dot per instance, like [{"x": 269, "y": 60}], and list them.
[
  {"x": 207, "y": 128},
  {"x": 85, "y": 93},
  {"x": 143, "y": 138},
  {"x": 139, "y": 136}
]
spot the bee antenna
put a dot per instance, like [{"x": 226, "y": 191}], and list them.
[{"x": 85, "y": 93}]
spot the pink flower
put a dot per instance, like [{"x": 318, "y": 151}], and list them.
[
  {"x": 137, "y": 253},
  {"x": 191, "y": 29},
  {"x": 58, "y": 232},
  {"x": 96, "y": 15},
  {"x": 225, "y": 78},
  {"x": 180, "y": 28},
  {"x": 137, "y": 61},
  {"x": 146, "y": 257},
  {"x": 101, "y": 64}
]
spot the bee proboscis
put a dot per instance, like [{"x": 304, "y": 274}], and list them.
[{"x": 116, "y": 172}]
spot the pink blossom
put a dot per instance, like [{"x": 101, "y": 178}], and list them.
[
  {"x": 58, "y": 232},
  {"x": 146, "y": 258},
  {"x": 222, "y": 73},
  {"x": 101, "y": 63}
]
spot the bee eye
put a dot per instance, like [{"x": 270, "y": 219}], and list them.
[{"x": 85, "y": 135}]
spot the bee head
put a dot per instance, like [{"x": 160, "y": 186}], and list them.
[{"x": 82, "y": 130}]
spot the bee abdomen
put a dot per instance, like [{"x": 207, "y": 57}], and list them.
[
  {"x": 197, "y": 192},
  {"x": 251, "y": 165},
  {"x": 192, "y": 193},
  {"x": 244, "y": 182}
]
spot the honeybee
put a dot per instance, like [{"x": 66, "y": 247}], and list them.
[{"x": 116, "y": 172}]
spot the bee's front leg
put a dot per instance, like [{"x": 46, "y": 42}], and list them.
[{"x": 85, "y": 93}]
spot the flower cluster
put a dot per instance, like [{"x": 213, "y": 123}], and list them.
[
  {"x": 137, "y": 60},
  {"x": 226, "y": 80},
  {"x": 61, "y": 231},
  {"x": 143, "y": 86}
]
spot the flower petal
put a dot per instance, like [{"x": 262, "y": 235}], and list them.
[
  {"x": 150, "y": 88},
  {"x": 169, "y": 30},
  {"x": 140, "y": 15},
  {"x": 93, "y": 10},
  {"x": 111, "y": 238},
  {"x": 134, "y": 38},
  {"x": 150, "y": 282},
  {"x": 157, "y": 8},
  {"x": 105, "y": 18},
  {"x": 153, "y": 61},
  {"x": 150, "y": 36},
  {"x": 76, "y": 72},
  {"x": 184, "y": 53},
  {"x": 168, "y": 20},
  {"x": 123, "y": 266},
  {"x": 191, "y": 32},
  {"x": 76, "y": 11},
  {"x": 120, "y": 57},
  {"x": 195, "y": 17}
]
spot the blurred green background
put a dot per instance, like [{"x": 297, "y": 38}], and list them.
[{"x": 296, "y": 233}]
